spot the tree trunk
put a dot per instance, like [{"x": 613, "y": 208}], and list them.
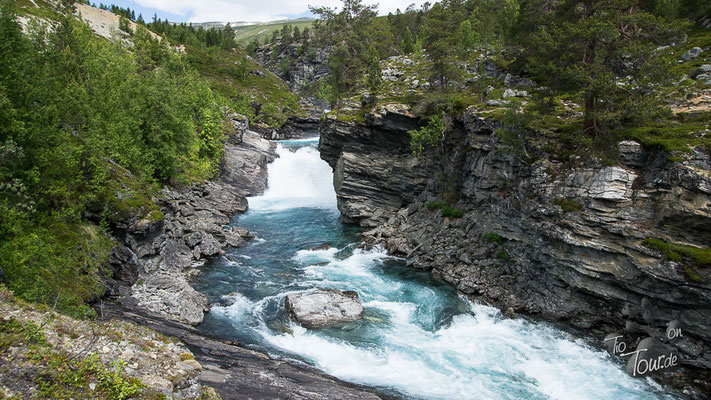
[{"x": 589, "y": 117}]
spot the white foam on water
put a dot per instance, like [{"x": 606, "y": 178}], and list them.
[
  {"x": 478, "y": 355},
  {"x": 241, "y": 306},
  {"x": 297, "y": 179}
]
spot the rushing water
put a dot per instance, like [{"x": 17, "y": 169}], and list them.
[{"x": 418, "y": 338}]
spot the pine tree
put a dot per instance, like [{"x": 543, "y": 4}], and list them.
[
  {"x": 606, "y": 49},
  {"x": 408, "y": 42},
  {"x": 349, "y": 31},
  {"x": 465, "y": 36},
  {"x": 440, "y": 41}
]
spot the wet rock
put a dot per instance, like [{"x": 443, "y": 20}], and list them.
[{"x": 321, "y": 308}]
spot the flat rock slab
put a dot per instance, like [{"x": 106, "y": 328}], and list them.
[
  {"x": 322, "y": 308},
  {"x": 238, "y": 373}
]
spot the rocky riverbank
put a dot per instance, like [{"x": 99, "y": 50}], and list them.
[
  {"x": 561, "y": 240},
  {"x": 150, "y": 285},
  {"x": 155, "y": 259}
]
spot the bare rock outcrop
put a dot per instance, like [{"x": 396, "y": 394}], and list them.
[
  {"x": 322, "y": 308},
  {"x": 561, "y": 240},
  {"x": 156, "y": 259}
]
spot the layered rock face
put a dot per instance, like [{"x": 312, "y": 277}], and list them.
[
  {"x": 375, "y": 173},
  {"x": 563, "y": 240},
  {"x": 152, "y": 267}
]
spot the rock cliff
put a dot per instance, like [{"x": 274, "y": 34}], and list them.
[
  {"x": 561, "y": 240},
  {"x": 152, "y": 265}
]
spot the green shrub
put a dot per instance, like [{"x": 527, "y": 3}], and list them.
[
  {"x": 493, "y": 238},
  {"x": 435, "y": 205},
  {"x": 447, "y": 210},
  {"x": 451, "y": 212},
  {"x": 429, "y": 135},
  {"x": 503, "y": 255}
]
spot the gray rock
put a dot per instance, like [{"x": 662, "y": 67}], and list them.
[
  {"x": 702, "y": 70},
  {"x": 631, "y": 153},
  {"x": 193, "y": 239},
  {"x": 496, "y": 103},
  {"x": 209, "y": 246},
  {"x": 580, "y": 264},
  {"x": 239, "y": 373},
  {"x": 691, "y": 54},
  {"x": 322, "y": 308}
]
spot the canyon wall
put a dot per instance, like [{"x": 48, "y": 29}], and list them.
[{"x": 562, "y": 240}]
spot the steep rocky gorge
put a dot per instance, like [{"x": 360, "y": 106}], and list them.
[
  {"x": 558, "y": 240},
  {"x": 155, "y": 260}
]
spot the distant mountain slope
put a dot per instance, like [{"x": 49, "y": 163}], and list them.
[{"x": 260, "y": 31}]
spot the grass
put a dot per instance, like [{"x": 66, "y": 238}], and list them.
[
  {"x": 683, "y": 254},
  {"x": 567, "y": 205},
  {"x": 680, "y": 133},
  {"x": 246, "y": 84},
  {"x": 45, "y": 10}
]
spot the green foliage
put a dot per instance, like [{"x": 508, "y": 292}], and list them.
[
  {"x": 440, "y": 41},
  {"x": 325, "y": 92},
  {"x": 374, "y": 74},
  {"x": 466, "y": 38},
  {"x": 680, "y": 133},
  {"x": 514, "y": 130},
  {"x": 493, "y": 238},
  {"x": 447, "y": 210},
  {"x": 451, "y": 212},
  {"x": 690, "y": 257},
  {"x": 493, "y": 20},
  {"x": 408, "y": 43},
  {"x": 503, "y": 255},
  {"x": 567, "y": 205},
  {"x": 607, "y": 50},
  {"x": 677, "y": 252},
  {"x": 59, "y": 379},
  {"x": 125, "y": 26},
  {"x": 429, "y": 135},
  {"x": 52, "y": 261},
  {"x": 88, "y": 127},
  {"x": 14, "y": 333},
  {"x": 435, "y": 205}
]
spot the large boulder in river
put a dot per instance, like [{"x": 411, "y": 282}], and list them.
[{"x": 321, "y": 308}]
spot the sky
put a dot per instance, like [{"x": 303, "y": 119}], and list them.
[{"x": 240, "y": 10}]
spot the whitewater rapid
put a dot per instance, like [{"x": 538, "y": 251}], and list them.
[{"x": 418, "y": 338}]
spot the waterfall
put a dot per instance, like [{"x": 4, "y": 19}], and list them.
[
  {"x": 298, "y": 178},
  {"x": 418, "y": 338}
]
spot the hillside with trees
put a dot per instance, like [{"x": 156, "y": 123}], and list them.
[{"x": 595, "y": 71}]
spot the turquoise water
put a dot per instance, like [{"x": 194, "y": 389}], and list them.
[{"x": 418, "y": 338}]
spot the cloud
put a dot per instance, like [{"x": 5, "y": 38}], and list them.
[{"x": 254, "y": 10}]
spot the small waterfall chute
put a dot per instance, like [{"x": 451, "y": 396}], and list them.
[{"x": 297, "y": 178}]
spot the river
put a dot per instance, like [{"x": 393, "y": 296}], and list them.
[{"x": 418, "y": 339}]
